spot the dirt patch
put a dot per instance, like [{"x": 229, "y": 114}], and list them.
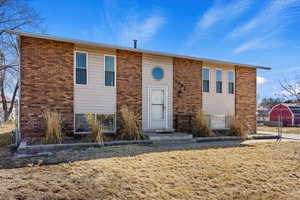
[{"x": 258, "y": 171}]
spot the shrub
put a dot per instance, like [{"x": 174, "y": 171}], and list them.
[
  {"x": 129, "y": 126},
  {"x": 236, "y": 128},
  {"x": 200, "y": 127},
  {"x": 96, "y": 128},
  {"x": 53, "y": 126}
]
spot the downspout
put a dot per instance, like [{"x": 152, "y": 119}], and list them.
[{"x": 18, "y": 134}]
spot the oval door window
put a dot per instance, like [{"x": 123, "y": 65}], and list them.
[{"x": 157, "y": 73}]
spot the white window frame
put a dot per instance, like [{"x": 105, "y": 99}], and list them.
[
  {"x": 115, "y": 70},
  {"x": 218, "y": 69},
  {"x": 231, "y": 82},
  {"x": 89, "y": 132},
  {"x": 87, "y": 65},
  {"x": 209, "y": 78}
]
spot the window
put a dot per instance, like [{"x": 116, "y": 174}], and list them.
[
  {"x": 230, "y": 82},
  {"x": 107, "y": 121},
  {"x": 109, "y": 62},
  {"x": 81, "y": 68},
  {"x": 82, "y": 125},
  {"x": 218, "y": 81},
  {"x": 205, "y": 87}
]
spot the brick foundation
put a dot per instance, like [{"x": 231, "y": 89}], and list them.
[
  {"x": 46, "y": 83},
  {"x": 187, "y": 91},
  {"x": 245, "y": 97},
  {"x": 129, "y": 82}
]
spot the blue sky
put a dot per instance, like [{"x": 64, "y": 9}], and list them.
[{"x": 260, "y": 32}]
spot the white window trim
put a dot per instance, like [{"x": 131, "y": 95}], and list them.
[
  {"x": 115, "y": 70},
  {"x": 218, "y": 69},
  {"x": 89, "y": 132},
  {"x": 87, "y": 66},
  {"x": 209, "y": 79},
  {"x": 231, "y": 82}
]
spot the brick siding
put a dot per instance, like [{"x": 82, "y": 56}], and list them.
[
  {"x": 46, "y": 84},
  {"x": 129, "y": 82},
  {"x": 245, "y": 97},
  {"x": 187, "y": 91}
]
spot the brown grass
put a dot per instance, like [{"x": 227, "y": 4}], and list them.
[
  {"x": 258, "y": 171},
  {"x": 96, "y": 129},
  {"x": 53, "y": 127},
  {"x": 200, "y": 128},
  {"x": 129, "y": 127},
  {"x": 5, "y": 131},
  {"x": 293, "y": 130}
]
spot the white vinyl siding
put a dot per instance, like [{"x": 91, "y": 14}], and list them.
[
  {"x": 95, "y": 97},
  {"x": 218, "y": 103},
  {"x": 166, "y": 63}
]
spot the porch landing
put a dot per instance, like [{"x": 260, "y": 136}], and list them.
[{"x": 167, "y": 137}]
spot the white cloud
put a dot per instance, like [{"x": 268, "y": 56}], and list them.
[
  {"x": 142, "y": 30},
  {"x": 263, "y": 28},
  {"x": 122, "y": 21},
  {"x": 260, "y": 80},
  {"x": 220, "y": 13},
  {"x": 276, "y": 15},
  {"x": 251, "y": 44},
  {"x": 263, "y": 42}
]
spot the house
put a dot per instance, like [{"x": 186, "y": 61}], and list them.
[
  {"x": 77, "y": 77},
  {"x": 262, "y": 114},
  {"x": 288, "y": 114}
]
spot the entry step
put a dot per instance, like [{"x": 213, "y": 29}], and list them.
[{"x": 154, "y": 136}]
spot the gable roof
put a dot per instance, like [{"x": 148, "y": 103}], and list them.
[{"x": 75, "y": 41}]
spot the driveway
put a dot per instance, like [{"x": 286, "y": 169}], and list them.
[{"x": 285, "y": 136}]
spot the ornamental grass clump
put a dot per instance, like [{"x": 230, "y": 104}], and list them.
[
  {"x": 96, "y": 129},
  {"x": 53, "y": 127},
  {"x": 236, "y": 128},
  {"x": 129, "y": 127},
  {"x": 200, "y": 127}
]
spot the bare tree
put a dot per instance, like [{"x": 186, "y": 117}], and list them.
[
  {"x": 14, "y": 14},
  {"x": 291, "y": 88}
]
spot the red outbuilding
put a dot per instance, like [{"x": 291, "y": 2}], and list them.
[{"x": 288, "y": 114}]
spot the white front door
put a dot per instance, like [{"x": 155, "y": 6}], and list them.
[{"x": 157, "y": 108}]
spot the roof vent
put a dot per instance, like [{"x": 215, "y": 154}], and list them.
[{"x": 135, "y": 44}]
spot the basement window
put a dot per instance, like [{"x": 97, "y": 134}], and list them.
[
  {"x": 205, "y": 81},
  {"x": 230, "y": 82},
  {"x": 81, "y": 68},
  {"x": 218, "y": 81},
  {"x": 109, "y": 65},
  {"x": 82, "y": 125}
]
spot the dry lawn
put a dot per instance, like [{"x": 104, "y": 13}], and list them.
[
  {"x": 294, "y": 130},
  {"x": 253, "y": 172}
]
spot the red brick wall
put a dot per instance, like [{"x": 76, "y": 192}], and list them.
[
  {"x": 187, "y": 90},
  {"x": 245, "y": 97},
  {"x": 46, "y": 83},
  {"x": 129, "y": 81}
]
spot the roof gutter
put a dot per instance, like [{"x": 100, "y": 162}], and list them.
[{"x": 81, "y": 42}]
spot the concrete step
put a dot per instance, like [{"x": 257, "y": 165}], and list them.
[
  {"x": 168, "y": 136},
  {"x": 163, "y": 131}
]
